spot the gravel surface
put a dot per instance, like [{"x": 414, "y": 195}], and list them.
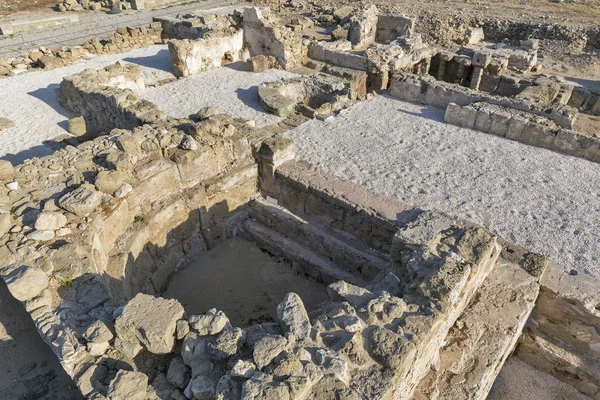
[
  {"x": 230, "y": 88},
  {"x": 29, "y": 100},
  {"x": 520, "y": 381},
  {"x": 542, "y": 200}
]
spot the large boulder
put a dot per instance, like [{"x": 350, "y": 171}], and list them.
[
  {"x": 151, "y": 322},
  {"x": 293, "y": 317}
]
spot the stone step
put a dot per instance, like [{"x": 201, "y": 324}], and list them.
[
  {"x": 311, "y": 263},
  {"x": 337, "y": 246},
  {"x": 483, "y": 337}
]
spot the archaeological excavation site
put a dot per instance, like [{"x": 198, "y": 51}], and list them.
[{"x": 302, "y": 200}]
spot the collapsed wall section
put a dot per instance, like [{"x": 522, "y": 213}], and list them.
[
  {"x": 107, "y": 100},
  {"x": 214, "y": 50}
]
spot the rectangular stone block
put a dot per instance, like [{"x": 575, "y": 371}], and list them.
[
  {"x": 499, "y": 122},
  {"x": 461, "y": 116}
]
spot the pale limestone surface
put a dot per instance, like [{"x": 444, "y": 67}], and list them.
[
  {"x": 539, "y": 199},
  {"x": 233, "y": 91}
]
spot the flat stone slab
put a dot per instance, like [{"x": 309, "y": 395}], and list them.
[{"x": 483, "y": 337}]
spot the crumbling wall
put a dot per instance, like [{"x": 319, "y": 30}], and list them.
[
  {"x": 265, "y": 34},
  {"x": 106, "y": 98},
  {"x": 392, "y": 27},
  {"x": 193, "y": 56},
  {"x": 428, "y": 90}
]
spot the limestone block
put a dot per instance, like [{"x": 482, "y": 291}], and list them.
[
  {"x": 80, "y": 201},
  {"x": 515, "y": 126},
  {"x": 151, "y": 322},
  {"x": 211, "y": 323},
  {"x": 128, "y": 385},
  {"x": 201, "y": 387},
  {"x": 41, "y": 236},
  {"x": 293, "y": 317},
  {"x": 473, "y": 35},
  {"x": 227, "y": 344},
  {"x": 267, "y": 348},
  {"x": 26, "y": 282},
  {"x": 483, "y": 121},
  {"x": 50, "y": 220},
  {"x": 6, "y": 169},
  {"x": 76, "y": 126},
  {"x": 98, "y": 332},
  {"x": 5, "y": 223},
  {"x": 461, "y": 116},
  {"x": 499, "y": 122},
  {"x": 109, "y": 181},
  {"x": 355, "y": 295}
]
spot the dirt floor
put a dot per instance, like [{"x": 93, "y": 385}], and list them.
[
  {"x": 29, "y": 369},
  {"x": 244, "y": 282}
]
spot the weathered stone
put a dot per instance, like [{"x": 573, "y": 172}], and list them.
[
  {"x": 344, "y": 291},
  {"x": 151, "y": 322},
  {"x": 211, "y": 323},
  {"x": 6, "y": 124},
  {"x": 267, "y": 348},
  {"x": 226, "y": 344},
  {"x": 81, "y": 201},
  {"x": 41, "y": 236},
  {"x": 128, "y": 385},
  {"x": 262, "y": 386},
  {"x": 50, "y": 221},
  {"x": 76, "y": 126},
  {"x": 26, "y": 282},
  {"x": 202, "y": 387},
  {"x": 6, "y": 169},
  {"x": 109, "y": 182},
  {"x": 243, "y": 369},
  {"x": 178, "y": 373},
  {"x": 98, "y": 332},
  {"x": 293, "y": 317}
]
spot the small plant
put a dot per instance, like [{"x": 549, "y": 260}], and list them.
[
  {"x": 137, "y": 219},
  {"x": 67, "y": 282},
  {"x": 13, "y": 210}
]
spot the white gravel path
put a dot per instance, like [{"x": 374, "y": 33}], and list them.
[
  {"x": 30, "y": 101},
  {"x": 542, "y": 200},
  {"x": 232, "y": 90}
]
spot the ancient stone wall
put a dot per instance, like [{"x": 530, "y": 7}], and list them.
[
  {"x": 107, "y": 100},
  {"x": 428, "y": 90},
  {"x": 212, "y": 51},
  {"x": 524, "y": 127},
  {"x": 265, "y": 34},
  {"x": 124, "y": 39}
]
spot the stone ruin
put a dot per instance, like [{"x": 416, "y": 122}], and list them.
[{"x": 421, "y": 305}]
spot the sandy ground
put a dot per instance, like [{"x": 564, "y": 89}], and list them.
[
  {"x": 244, "y": 282},
  {"x": 28, "y": 368},
  {"x": 520, "y": 381},
  {"x": 537, "y": 198},
  {"x": 29, "y": 100},
  {"x": 230, "y": 88}
]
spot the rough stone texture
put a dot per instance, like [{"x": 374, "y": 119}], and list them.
[
  {"x": 76, "y": 126},
  {"x": 292, "y": 316},
  {"x": 211, "y": 323},
  {"x": 151, "y": 322},
  {"x": 192, "y": 57},
  {"x": 483, "y": 337},
  {"x": 26, "y": 282},
  {"x": 128, "y": 385},
  {"x": 50, "y": 220},
  {"x": 81, "y": 201}
]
